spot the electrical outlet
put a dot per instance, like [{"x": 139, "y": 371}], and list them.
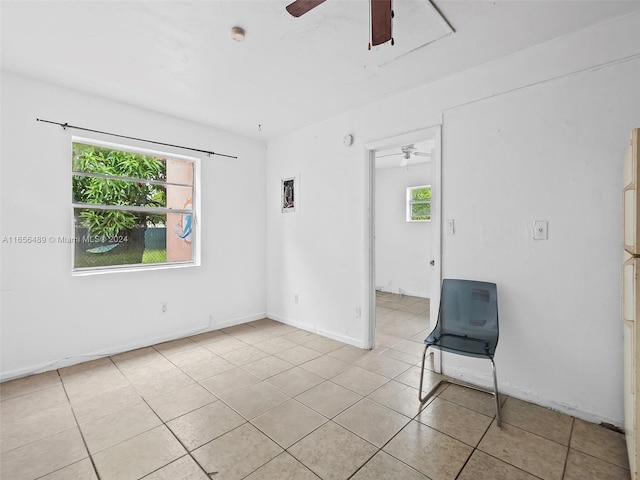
[
  {"x": 540, "y": 230},
  {"x": 163, "y": 307},
  {"x": 295, "y": 298},
  {"x": 358, "y": 312}
]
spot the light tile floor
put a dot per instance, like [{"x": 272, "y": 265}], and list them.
[{"x": 269, "y": 401}]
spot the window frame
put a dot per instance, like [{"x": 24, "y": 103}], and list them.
[
  {"x": 410, "y": 202},
  {"x": 194, "y": 211}
]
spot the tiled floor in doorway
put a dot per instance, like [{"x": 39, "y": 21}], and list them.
[{"x": 268, "y": 401}]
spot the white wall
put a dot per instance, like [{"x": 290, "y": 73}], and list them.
[
  {"x": 310, "y": 253},
  {"x": 50, "y": 318},
  {"x": 552, "y": 152},
  {"x": 403, "y": 249},
  {"x": 538, "y": 135}
]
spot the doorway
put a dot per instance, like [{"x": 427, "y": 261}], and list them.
[{"x": 403, "y": 249}]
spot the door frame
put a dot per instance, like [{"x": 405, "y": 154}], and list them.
[{"x": 369, "y": 274}]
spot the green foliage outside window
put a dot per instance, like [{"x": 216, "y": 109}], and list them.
[
  {"x": 113, "y": 192},
  {"x": 419, "y": 204},
  {"x": 134, "y": 190}
]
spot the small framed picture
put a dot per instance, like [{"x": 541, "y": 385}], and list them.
[{"x": 289, "y": 193}]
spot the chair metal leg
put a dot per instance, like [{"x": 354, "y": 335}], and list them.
[
  {"x": 495, "y": 392},
  {"x": 432, "y": 391}
]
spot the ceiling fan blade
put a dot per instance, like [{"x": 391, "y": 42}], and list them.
[
  {"x": 380, "y": 21},
  {"x": 388, "y": 155},
  {"x": 421, "y": 154},
  {"x": 404, "y": 162},
  {"x": 300, "y": 7}
]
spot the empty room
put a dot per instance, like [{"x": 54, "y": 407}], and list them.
[{"x": 238, "y": 237}]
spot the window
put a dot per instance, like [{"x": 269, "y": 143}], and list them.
[
  {"x": 131, "y": 207},
  {"x": 419, "y": 204}
]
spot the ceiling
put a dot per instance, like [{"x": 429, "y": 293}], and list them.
[{"x": 177, "y": 57}]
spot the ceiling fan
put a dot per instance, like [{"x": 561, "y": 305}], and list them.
[
  {"x": 381, "y": 15},
  {"x": 407, "y": 151}
]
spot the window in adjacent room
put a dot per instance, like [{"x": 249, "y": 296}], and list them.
[
  {"x": 419, "y": 203},
  {"x": 132, "y": 208}
]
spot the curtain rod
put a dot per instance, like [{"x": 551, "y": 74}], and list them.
[{"x": 66, "y": 125}]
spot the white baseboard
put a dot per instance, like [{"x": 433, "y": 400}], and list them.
[
  {"x": 485, "y": 381},
  {"x": 356, "y": 342},
  {"x": 114, "y": 350},
  {"x": 400, "y": 291}
]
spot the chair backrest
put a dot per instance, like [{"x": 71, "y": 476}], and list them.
[{"x": 469, "y": 308}]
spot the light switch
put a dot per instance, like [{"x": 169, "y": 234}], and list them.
[
  {"x": 540, "y": 230},
  {"x": 449, "y": 226}
]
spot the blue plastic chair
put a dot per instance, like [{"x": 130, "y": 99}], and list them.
[{"x": 467, "y": 325}]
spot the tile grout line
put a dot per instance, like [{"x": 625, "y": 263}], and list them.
[
  {"x": 529, "y": 433},
  {"x": 225, "y": 403},
  {"x": 75, "y": 418},
  {"x": 475, "y": 448},
  {"x": 329, "y": 420},
  {"x": 164, "y": 424},
  {"x": 247, "y": 421},
  {"x": 322, "y": 354},
  {"x": 189, "y": 453},
  {"x": 325, "y": 354},
  {"x": 380, "y": 449},
  {"x": 144, "y": 400},
  {"x": 351, "y": 364},
  {"x": 217, "y": 398},
  {"x": 286, "y": 450},
  {"x": 566, "y": 458},
  {"x": 524, "y": 430}
]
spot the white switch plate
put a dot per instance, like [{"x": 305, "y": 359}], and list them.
[
  {"x": 540, "y": 230},
  {"x": 450, "y": 228}
]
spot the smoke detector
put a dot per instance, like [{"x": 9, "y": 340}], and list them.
[{"x": 237, "y": 34}]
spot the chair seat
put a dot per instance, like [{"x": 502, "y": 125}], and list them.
[
  {"x": 470, "y": 347},
  {"x": 462, "y": 345}
]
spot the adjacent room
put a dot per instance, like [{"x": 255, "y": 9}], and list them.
[{"x": 225, "y": 226}]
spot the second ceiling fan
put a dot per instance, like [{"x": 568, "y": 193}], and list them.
[
  {"x": 407, "y": 152},
  {"x": 381, "y": 16}
]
